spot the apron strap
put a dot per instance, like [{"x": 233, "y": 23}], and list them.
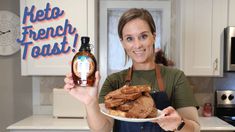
[
  {"x": 128, "y": 77},
  {"x": 159, "y": 78},
  {"x": 158, "y": 74}
]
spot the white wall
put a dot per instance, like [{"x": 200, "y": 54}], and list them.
[{"x": 15, "y": 90}]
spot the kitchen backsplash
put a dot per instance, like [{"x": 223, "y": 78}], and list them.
[
  {"x": 226, "y": 82},
  {"x": 200, "y": 85},
  {"x": 46, "y": 87},
  {"x": 203, "y": 90}
]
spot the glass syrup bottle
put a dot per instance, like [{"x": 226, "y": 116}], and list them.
[{"x": 84, "y": 65}]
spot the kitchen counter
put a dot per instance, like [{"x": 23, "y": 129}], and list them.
[
  {"x": 44, "y": 123},
  {"x": 215, "y": 124}
]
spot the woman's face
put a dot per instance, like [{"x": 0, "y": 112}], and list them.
[{"x": 138, "y": 41}]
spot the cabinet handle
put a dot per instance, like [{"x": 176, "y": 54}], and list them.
[{"x": 216, "y": 64}]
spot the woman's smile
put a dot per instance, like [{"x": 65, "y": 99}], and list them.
[{"x": 139, "y": 52}]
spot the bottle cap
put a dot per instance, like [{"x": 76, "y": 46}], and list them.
[
  {"x": 85, "y": 46},
  {"x": 85, "y": 40}
]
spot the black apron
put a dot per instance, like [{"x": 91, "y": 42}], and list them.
[{"x": 161, "y": 101}]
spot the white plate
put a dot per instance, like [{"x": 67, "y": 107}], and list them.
[{"x": 105, "y": 112}]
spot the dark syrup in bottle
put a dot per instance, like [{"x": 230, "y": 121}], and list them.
[{"x": 84, "y": 65}]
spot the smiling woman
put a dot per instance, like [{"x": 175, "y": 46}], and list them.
[
  {"x": 112, "y": 56},
  {"x": 169, "y": 89}
]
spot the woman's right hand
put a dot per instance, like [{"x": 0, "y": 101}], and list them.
[{"x": 84, "y": 94}]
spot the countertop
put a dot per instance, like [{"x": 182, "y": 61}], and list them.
[
  {"x": 214, "y": 123},
  {"x": 47, "y": 122}
]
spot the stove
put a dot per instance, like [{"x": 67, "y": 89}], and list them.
[{"x": 225, "y": 105}]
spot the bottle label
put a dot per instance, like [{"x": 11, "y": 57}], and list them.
[{"x": 84, "y": 66}]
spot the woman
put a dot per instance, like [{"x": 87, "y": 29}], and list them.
[{"x": 170, "y": 89}]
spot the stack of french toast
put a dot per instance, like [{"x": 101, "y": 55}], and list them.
[{"x": 131, "y": 102}]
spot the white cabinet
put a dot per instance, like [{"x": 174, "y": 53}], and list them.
[
  {"x": 51, "y": 54},
  {"x": 231, "y": 18},
  {"x": 202, "y": 25}
]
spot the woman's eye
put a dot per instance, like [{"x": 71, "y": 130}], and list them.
[
  {"x": 143, "y": 36},
  {"x": 129, "y": 39}
]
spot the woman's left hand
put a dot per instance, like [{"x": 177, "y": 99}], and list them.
[{"x": 170, "y": 121}]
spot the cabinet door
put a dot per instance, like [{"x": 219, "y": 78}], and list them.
[
  {"x": 202, "y": 25},
  {"x": 80, "y": 14}
]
